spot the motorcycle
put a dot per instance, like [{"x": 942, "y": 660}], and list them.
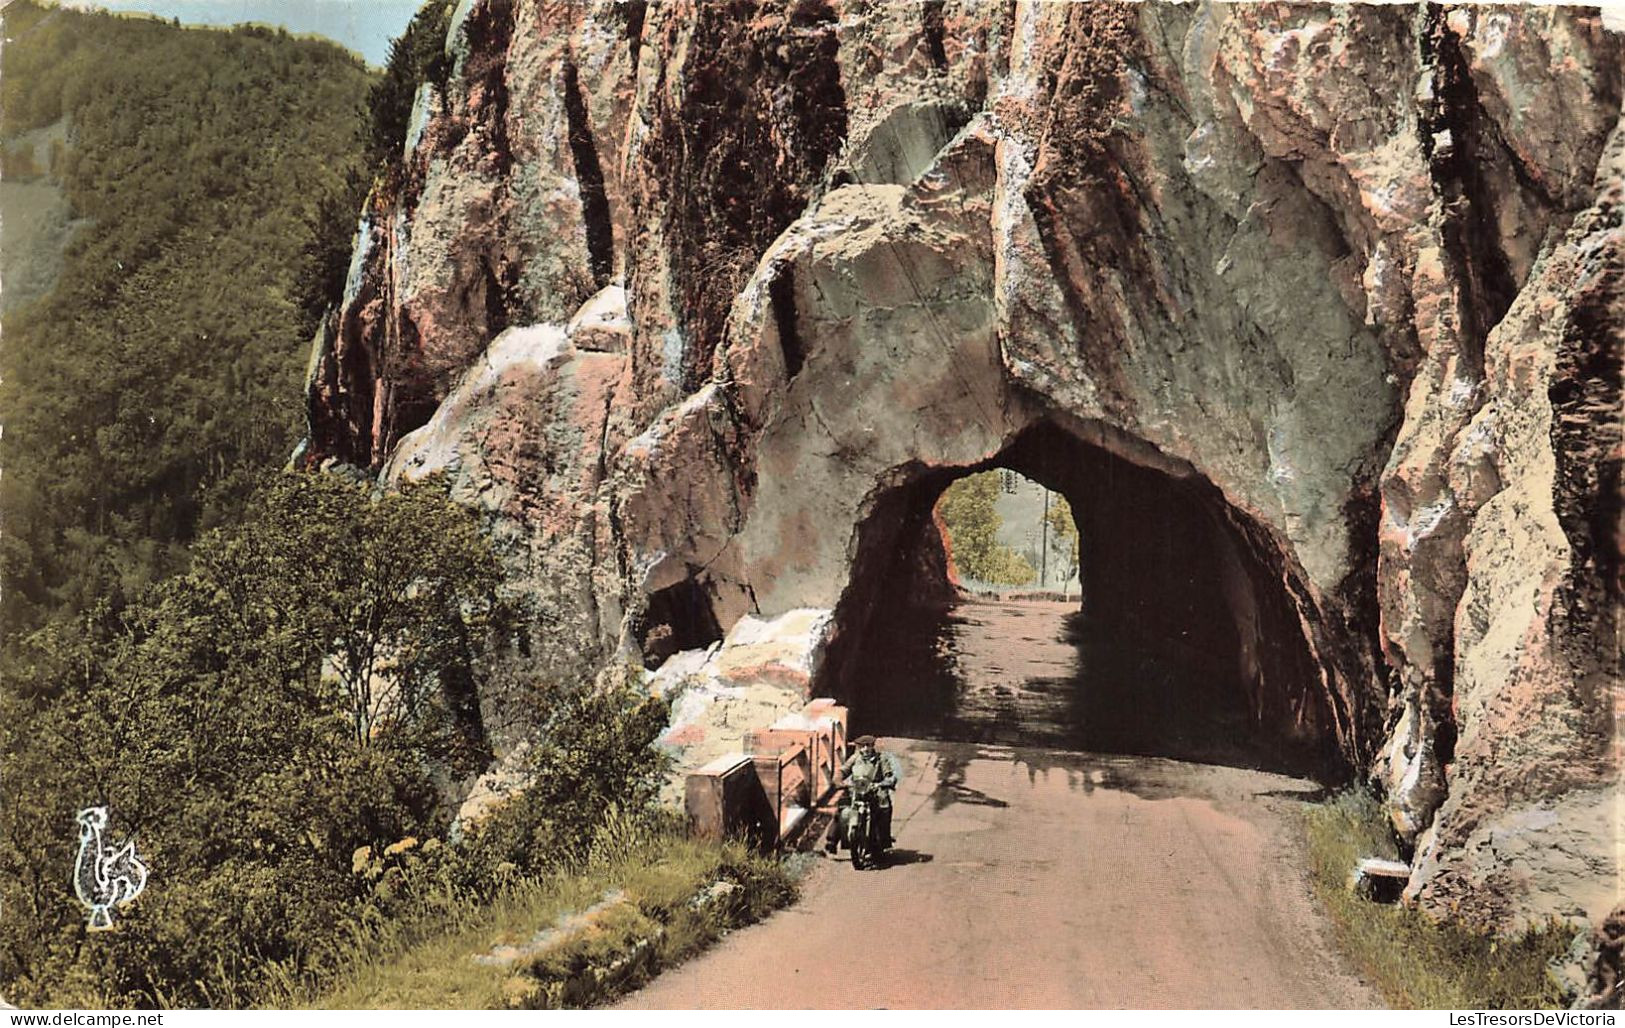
[{"x": 861, "y": 838}]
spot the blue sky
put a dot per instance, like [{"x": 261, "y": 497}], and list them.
[{"x": 365, "y": 26}]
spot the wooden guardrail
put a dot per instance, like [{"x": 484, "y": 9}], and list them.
[
  {"x": 724, "y": 799},
  {"x": 764, "y": 793}
]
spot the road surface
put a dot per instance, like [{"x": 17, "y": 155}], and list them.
[{"x": 1040, "y": 876}]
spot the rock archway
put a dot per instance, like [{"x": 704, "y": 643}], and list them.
[
  {"x": 897, "y": 337},
  {"x": 1166, "y": 563}
]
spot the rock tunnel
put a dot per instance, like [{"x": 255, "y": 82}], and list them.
[{"x": 1188, "y": 644}]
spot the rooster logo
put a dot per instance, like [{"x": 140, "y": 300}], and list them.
[{"x": 104, "y": 878}]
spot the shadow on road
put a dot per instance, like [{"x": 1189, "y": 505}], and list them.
[
  {"x": 951, "y": 787},
  {"x": 1041, "y": 676},
  {"x": 1083, "y": 772}
]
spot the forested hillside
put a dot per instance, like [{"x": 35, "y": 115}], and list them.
[
  {"x": 266, "y": 680},
  {"x": 205, "y": 183}
]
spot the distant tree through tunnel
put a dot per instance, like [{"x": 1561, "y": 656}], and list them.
[
  {"x": 1185, "y": 641},
  {"x": 1005, "y": 530}
]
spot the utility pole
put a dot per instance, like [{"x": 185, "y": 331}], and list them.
[{"x": 1043, "y": 530}]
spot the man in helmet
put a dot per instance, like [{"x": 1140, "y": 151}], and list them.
[{"x": 885, "y": 771}]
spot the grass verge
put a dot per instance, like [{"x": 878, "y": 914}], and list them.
[
  {"x": 1417, "y": 963},
  {"x": 576, "y": 938}
]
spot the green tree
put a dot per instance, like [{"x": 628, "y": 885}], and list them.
[
  {"x": 595, "y": 753},
  {"x": 417, "y": 56},
  {"x": 967, "y": 508},
  {"x": 394, "y": 592}
]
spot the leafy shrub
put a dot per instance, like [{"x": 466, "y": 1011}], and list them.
[
  {"x": 232, "y": 721},
  {"x": 595, "y": 761}
]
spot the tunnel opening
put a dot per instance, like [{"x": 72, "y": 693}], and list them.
[
  {"x": 1006, "y": 532},
  {"x": 1181, "y": 637}
]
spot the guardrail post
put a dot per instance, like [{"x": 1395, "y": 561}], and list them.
[{"x": 724, "y": 799}]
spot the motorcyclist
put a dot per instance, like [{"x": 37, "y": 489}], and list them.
[{"x": 884, "y": 770}]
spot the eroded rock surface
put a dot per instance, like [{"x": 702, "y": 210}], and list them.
[{"x": 705, "y": 303}]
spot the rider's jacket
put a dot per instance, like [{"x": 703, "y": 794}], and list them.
[{"x": 883, "y": 769}]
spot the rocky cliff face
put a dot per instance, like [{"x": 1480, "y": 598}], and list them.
[{"x": 1314, "y": 311}]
